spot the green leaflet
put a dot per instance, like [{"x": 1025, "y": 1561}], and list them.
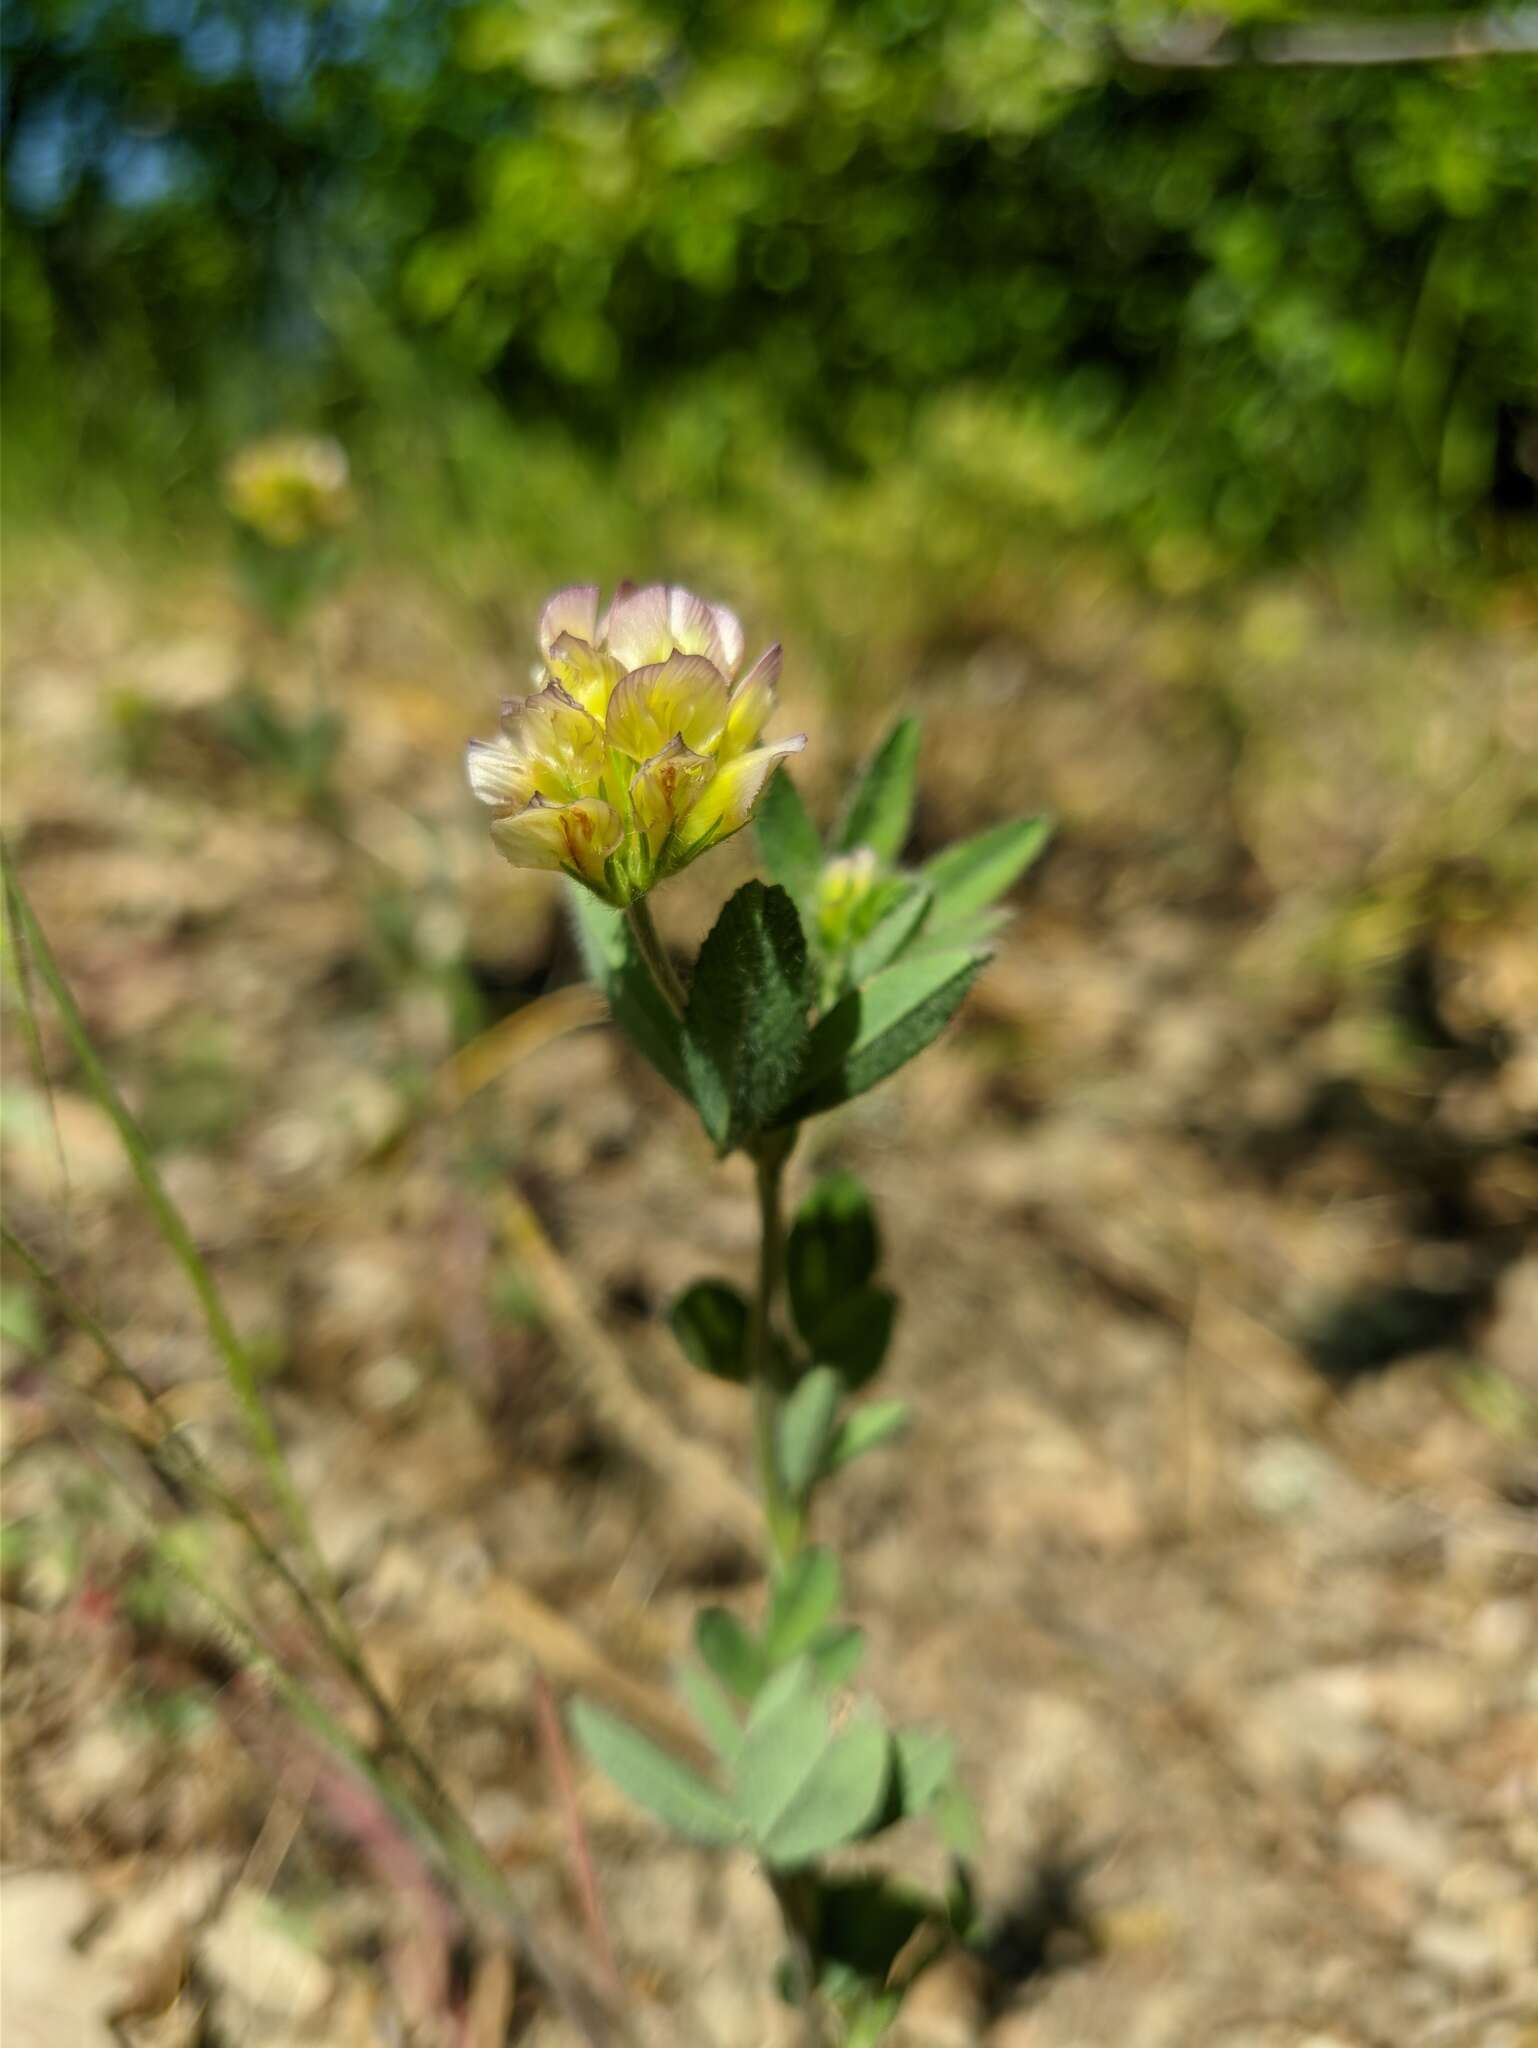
[
  {"x": 710, "y": 1321},
  {"x": 707, "y": 1700},
  {"x": 974, "y": 873},
  {"x": 804, "y": 1602},
  {"x": 833, "y": 1245},
  {"x": 882, "y": 806},
  {"x": 726, "y": 1647},
  {"x": 653, "y": 1779},
  {"x": 892, "y": 932},
  {"x": 875, "y": 1030},
  {"x": 610, "y": 957},
  {"x": 788, "y": 840},
  {"x": 877, "y": 1423},
  {"x": 807, "y": 1423},
  {"x": 745, "y": 1030},
  {"x": 800, "y": 1788}
]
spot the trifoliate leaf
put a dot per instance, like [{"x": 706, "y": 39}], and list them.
[
  {"x": 653, "y": 1779},
  {"x": 745, "y": 1029}
]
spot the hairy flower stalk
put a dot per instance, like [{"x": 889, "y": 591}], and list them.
[{"x": 641, "y": 750}]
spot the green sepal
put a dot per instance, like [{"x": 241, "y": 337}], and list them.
[
  {"x": 745, "y": 1030},
  {"x": 610, "y": 957},
  {"x": 973, "y": 874},
  {"x": 710, "y": 1321},
  {"x": 808, "y": 1422},
  {"x": 803, "y": 1602},
  {"x": 689, "y": 1805},
  {"x": 881, "y": 808},
  {"x": 874, "y": 1030}
]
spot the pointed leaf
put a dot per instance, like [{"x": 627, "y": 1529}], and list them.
[
  {"x": 788, "y": 840},
  {"x": 878, "y": 1028},
  {"x": 876, "y": 1423},
  {"x": 892, "y": 933},
  {"x": 652, "y": 1778},
  {"x": 745, "y": 1030},
  {"x": 610, "y": 957},
  {"x": 833, "y": 1246},
  {"x": 735, "y": 1657},
  {"x": 974, "y": 873},
  {"x": 882, "y": 806},
  {"x": 807, "y": 1423},
  {"x": 804, "y": 1601},
  {"x": 710, "y": 1321}
]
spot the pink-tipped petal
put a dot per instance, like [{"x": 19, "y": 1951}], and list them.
[
  {"x": 729, "y": 626},
  {"x": 726, "y": 805},
  {"x": 573, "y": 610},
  {"x": 665, "y": 789},
  {"x": 637, "y": 633},
  {"x": 752, "y": 703},
  {"x": 496, "y": 773},
  {"x": 692, "y": 626},
  {"x": 684, "y": 696}
]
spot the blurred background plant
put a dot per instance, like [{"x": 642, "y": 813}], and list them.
[{"x": 970, "y": 269}]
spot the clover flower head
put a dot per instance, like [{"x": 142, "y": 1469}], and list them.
[
  {"x": 290, "y": 489},
  {"x": 641, "y": 750}
]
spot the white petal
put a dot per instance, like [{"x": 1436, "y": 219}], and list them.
[
  {"x": 496, "y": 774},
  {"x": 573, "y": 610}
]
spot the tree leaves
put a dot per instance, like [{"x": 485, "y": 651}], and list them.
[{"x": 745, "y": 1029}]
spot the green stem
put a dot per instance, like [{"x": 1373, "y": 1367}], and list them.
[
  {"x": 639, "y": 918},
  {"x": 781, "y": 1513}
]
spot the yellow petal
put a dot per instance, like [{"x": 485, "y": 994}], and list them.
[
  {"x": 751, "y": 704},
  {"x": 587, "y": 673},
  {"x": 727, "y": 803},
  {"x": 496, "y": 773},
  {"x": 575, "y": 837},
  {"x": 562, "y": 748},
  {"x": 665, "y": 789},
  {"x": 574, "y": 611},
  {"x": 684, "y": 697},
  {"x": 636, "y": 630}
]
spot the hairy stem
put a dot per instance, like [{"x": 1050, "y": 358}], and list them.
[
  {"x": 639, "y": 918},
  {"x": 781, "y": 1513}
]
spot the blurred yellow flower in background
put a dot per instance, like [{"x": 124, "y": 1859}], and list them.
[
  {"x": 641, "y": 751},
  {"x": 291, "y": 490}
]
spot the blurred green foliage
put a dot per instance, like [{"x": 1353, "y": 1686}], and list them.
[{"x": 1227, "y": 314}]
